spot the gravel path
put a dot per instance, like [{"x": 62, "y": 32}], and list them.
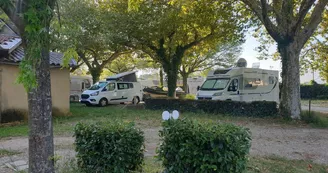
[{"x": 289, "y": 142}]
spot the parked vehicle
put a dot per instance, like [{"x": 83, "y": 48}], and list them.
[
  {"x": 116, "y": 89},
  {"x": 241, "y": 84},
  {"x": 78, "y": 85}
]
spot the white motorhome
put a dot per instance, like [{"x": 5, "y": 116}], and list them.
[
  {"x": 78, "y": 85},
  {"x": 120, "y": 88},
  {"x": 241, "y": 84}
]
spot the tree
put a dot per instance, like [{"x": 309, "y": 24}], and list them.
[
  {"x": 224, "y": 55},
  {"x": 81, "y": 28},
  {"x": 130, "y": 62},
  {"x": 290, "y": 23},
  {"x": 32, "y": 18},
  {"x": 166, "y": 30}
]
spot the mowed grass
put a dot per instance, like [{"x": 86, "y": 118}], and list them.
[
  {"x": 315, "y": 103},
  {"x": 4, "y": 153}
]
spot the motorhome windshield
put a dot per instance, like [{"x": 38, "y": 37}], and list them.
[
  {"x": 215, "y": 84},
  {"x": 98, "y": 85}
]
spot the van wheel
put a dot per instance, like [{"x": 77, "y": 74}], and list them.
[
  {"x": 135, "y": 100},
  {"x": 103, "y": 102}
]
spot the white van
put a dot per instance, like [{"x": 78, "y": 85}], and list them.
[
  {"x": 240, "y": 84},
  {"x": 114, "y": 90}
]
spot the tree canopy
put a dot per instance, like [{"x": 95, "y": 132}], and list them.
[{"x": 167, "y": 29}]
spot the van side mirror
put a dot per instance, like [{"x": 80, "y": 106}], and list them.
[{"x": 198, "y": 88}]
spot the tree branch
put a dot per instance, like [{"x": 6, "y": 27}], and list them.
[
  {"x": 196, "y": 42},
  {"x": 85, "y": 60},
  {"x": 304, "y": 9},
  {"x": 315, "y": 19}
]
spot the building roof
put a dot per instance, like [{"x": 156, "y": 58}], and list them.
[{"x": 16, "y": 56}]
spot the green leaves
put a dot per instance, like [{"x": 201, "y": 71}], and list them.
[
  {"x": 189, "y": 146},
  {"x": 116, "y": 147},
  {"x": 69, "y": 54}
]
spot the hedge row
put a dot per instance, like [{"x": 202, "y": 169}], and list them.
[
  {"x": 254, "y": 109},
  {"x": 116, "y": 147},
  {"x": 193, "y": 147},
  {"x": 316, "y": 91}
]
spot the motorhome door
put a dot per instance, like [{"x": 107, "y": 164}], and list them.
[
  {"x": 109, "y": 92},
  {"x": 233, "y": 90}
]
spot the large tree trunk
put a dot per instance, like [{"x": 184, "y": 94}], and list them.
[
  {"x": 185, "y": 82},
  {"x": 41, "y": 147},
  {"x": 290, "y": 105},
  {"x": 172, "y": 75},
  {"x": 95, "y": 73},
  {"x": 161, "y": 78}
]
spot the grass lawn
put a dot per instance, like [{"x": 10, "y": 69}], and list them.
[{"x": 315, "y": 103}]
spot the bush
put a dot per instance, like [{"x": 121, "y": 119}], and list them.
[
  {"x": 254, "y": 109},
  {"x": 189, "y": 97},
  {"x": 190, "y": 147},
  {"x": 13, "y": 115},
  {"x": 115, "y": 148},
  {"x": 315, "y": 91}
]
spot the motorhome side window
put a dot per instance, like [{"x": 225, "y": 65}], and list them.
[
  {"x": 110, "y": 87},
  {"x": 122, "y": 86},
  {"x": 233, "y": 85},
  {"x": 130, "y": 85},
  {"x": 253, "y": 83}
]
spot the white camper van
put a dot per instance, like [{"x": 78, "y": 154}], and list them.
[
  {"x": 120, "y": 88},
  {"x": 241, "y": 84},
  {"x": 78, "y": 85}
]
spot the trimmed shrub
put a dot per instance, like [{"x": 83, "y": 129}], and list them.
[
  {"x": 254, "y": 109},
  {"x": 116, "y": 148},
  {"x": 315, "y": 91},
  {"x": 13, "y": 115},
  {"x": 189, "y": 147}
]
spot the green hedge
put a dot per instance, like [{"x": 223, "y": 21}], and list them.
[
  {"x": 189, "y": 147},
  {"x": 315, "y": 91},
  {"x": 254, "y": 109},
  {"x": 116, "y": 148}
]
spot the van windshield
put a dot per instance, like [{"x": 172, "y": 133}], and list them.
[
  {"x": 215, "y": 84},
  {"x": 98, "y": 85}
]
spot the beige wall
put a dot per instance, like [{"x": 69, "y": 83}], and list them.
[{"x": 14, "y": 96}]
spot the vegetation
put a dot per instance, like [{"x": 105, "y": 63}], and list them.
[
  {"x": 254, "y": 109},
  {"x": 174, "y": 28},
  {"x": 32, "y": 18},
  {"x": 115, "y": 147},
  {"x": 193, "y": 147},
  {"x": 316, "y": 119},
  {"x": 314, "y": 91},
  {"x": 7, "y": 153},
  {"x": 290, "y": 24}
]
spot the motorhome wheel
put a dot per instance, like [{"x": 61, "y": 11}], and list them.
[{"x": 103, "y": 102}]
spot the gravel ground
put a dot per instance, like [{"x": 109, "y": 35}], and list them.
[{"x": 289, "y": 142}]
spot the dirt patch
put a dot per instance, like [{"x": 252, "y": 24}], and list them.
[{"x": 292, "y": 143}]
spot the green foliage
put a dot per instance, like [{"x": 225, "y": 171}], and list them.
[
  {"x": 69, "y": 54},
  {"x": 115, "y": 147},
  {"x": 316, "y": 91},
  {"x": 189, "y": 147},
  {"x": 190, "y": 97},
  {"x": 253, "y": 109},
  {"x": 316, "y": 119},
  {"x": 37, "y": 40}
]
